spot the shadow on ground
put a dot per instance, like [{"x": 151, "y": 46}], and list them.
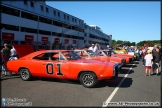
[
  {"x": 106, "y": 83},
  {"x": 9, "y": 77},
  {"x": 125, "y": 71},
  {"x": 115, "y": 83},
  {"x": 130, "y": 65}
]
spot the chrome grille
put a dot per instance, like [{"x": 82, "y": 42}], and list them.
[
  {"x": 116, "y": 70},
  {"x": 123, "y": 62},
  {"x": 130, "y": 60}
]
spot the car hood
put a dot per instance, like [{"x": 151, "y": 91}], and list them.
[
  {"x": 23, "y": 50},
  {"x": 120, "y": 55},
  {"x": 94, "y": 61},
  {"x": 116, "y": 57}
]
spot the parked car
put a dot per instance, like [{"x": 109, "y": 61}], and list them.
[
  {"x": 61, "y": 64},
  {"x": 91, "y": 56},
  {"x": 129, "y": 58}
]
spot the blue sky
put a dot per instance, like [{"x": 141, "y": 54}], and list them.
[{"x": 129, "y": 21}]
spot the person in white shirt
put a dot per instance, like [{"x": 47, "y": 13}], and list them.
[
  {"x": 91, "y": 48},
  {"x": 148, "y": 62},
  {"x": 13, "y": 54},
  {"x": 96, "y": 48}
]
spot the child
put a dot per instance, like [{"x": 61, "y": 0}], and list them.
[{"x": 148, "y": 62}]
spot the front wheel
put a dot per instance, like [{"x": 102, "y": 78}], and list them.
[
  {"x": 88, "y": 79},
  {"x": 25, "y": 74}
]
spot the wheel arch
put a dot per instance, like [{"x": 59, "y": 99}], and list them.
[
  {"x": 85, "y": 71},
  {"x": 22, "y": 68}
]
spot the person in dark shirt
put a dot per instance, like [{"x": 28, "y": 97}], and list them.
[
  {"x": 6, "y": 53},
  {"x": 156, "y": 59},
  {"x": 160, "y": 57}
]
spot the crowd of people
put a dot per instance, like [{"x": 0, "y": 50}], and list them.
[
  {"x": 151, "y": 57},
  {"x": 152, "y": 60},
  {"x": 6, "y": 55}
]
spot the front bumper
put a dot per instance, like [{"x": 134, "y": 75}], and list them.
[{"x": 131, "y": 60}]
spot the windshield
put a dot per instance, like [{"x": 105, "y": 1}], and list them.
[
  {"x": 91, "y": 53},
  {"x": 114, "y": 52},
  {"x": 107, "y": 52},
  {"x": 71, "y": 55}
]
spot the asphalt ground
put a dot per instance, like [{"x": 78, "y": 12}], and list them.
[{"x": 43, "y": 92}]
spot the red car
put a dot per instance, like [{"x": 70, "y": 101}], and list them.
[
  {"x": 62, "y": 64},
  {"x": 128, "y": 59}
]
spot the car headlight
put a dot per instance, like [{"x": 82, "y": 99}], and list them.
[{"x": 121, "y": 52}]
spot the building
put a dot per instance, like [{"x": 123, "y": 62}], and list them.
[{"x": 44, "y": 27}]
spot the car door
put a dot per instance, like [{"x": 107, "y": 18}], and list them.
[{"x": 55, "y": 67}]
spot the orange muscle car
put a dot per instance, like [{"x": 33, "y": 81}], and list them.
[
  {"x": 62, "y": 64},
  {"x": 131, "y": 56},
  {"x": 113, "y": 54},
  {"x": 91, "y": 55}
]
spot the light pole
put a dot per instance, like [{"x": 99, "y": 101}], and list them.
[{"x": 37, "y": 33}]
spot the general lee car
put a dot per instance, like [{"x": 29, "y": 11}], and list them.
[
  {"x": 128, "y": 59},
  {"x": 62, "y": 64},
  {"x": 92, "y": 56}
]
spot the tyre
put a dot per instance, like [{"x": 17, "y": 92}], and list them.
[
  {"x": 88, "y": 79},
  {"x": 25, "y": 74}
]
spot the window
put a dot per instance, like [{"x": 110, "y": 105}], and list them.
[
  {"x": 81, "y": 30},
  {"x": 46, "y": 9},
  {"x": 67, "y": 26},
  {"x": 44, "y": 32},
  {"x": 47, "y": 56},
  {"x": 45, "y": 20},
  {"x": 9, "y": 27},
  {"x": 66, "y": 36},
  {"x": 10, "y": 11},
  {"x": 58, "y": 14},
  {"x": 25, "y": 2},
  {"x": 42, "y": 8},
  {"x": 74, "y": 28},
  {"x": 7, "y": 41},
  {"x": 29, "y": 16},
  {"x": 85, "y": 34},
  {"x": 56, "y": 34},
  {"x": 67, "y": 17},
  {"x": 81, "y": 38},
  {"x": 54, "y": 12},
  {"x": 74, "y": 37},
  {"x": 56, "y": 23},
  {"x": 29, "y": 30},
  {"x": 73, "y": 19},
  {"x": 15, "y": 42},
  {"x": 32, "y": 4}
]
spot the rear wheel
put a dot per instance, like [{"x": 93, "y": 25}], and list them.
[
  {"x": 25, "y": 74},
  {"x": 88, "y": 79}
]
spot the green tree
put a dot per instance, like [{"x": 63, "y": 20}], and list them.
[
  {"x": 119, "y": 41},
  {"x": 113, "y": 42}
]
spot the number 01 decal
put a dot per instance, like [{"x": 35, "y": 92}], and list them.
[{"x": 50, "y": 69}]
